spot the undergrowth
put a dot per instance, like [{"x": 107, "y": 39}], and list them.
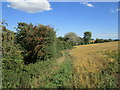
[
  {"x": 63, "y": 77},
  {"x": 17, "y": 75},
  {"x": 44, "y": 74}
]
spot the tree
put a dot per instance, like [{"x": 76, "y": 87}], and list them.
[
  {"x": 99, "y": 40},
  {"x": 38, "y": 42},
  {"x": 87, "y": 37},
  {"x": 61, "y": 38},
  {"x": 72, "y": 37},
  {"x": 81, "y": 41}
]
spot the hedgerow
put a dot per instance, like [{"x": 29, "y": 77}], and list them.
[{"x": 27, "y": 53}]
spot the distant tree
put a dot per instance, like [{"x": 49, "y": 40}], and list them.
[
  {"x": 99, "y": 40},
  {"x": 91, "y": 39},
  {"x": 116, "y": 40},
  {"x": 61, "y": 38},
  {"x": 110, "y": 40},
  {"x": 87, "y": 37},
  {"x": 72, "y": 38},
  {"x": 106, "y": 40},
  {"x": 80, "y": 41},
  {"x": 103, "y": 40}
]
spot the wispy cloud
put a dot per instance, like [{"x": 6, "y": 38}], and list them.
[
  {"x": 108, "y": 35},
  {"x": 87, "y": 4},
  {"x": 115, "y": 10},
  {"x": 30, "y": 6}
]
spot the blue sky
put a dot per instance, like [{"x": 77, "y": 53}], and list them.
[{"x": 101, "y": 19}]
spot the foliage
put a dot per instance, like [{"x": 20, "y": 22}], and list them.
[
  {"x": 61, "y": 38},
  {"x": 61, "y": 78},
  {"x": 99, "y": 40},
  {"x": 116, "y": 40},
  {"x": 87, "y": 37},
  {"x": 38, "y": 42},
  {"x": 107, "y": 40},
  {"x": 103, "y": 40},
  {"x": 62, "y": 45},
  {"x": 72, "y": 37},
  {"x": 15, "y": 74},
  {"x": 81, "y": 42},
  {"x": 37, "y": 46},
  {"x": 28, "y": 45},
  {"x": 9, "y": 48},
  {"x": 18, "y": 75}
]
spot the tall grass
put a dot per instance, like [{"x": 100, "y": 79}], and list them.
[{"x": 59, "y": 78}]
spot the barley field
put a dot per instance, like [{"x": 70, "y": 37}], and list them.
[{"x": 95, "y": 65}]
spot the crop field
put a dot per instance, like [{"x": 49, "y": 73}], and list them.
[{"x": 95, "y": 65}]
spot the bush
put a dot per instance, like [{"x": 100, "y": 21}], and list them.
[
  {"x": 9, "y": 48},
  {"x": 62, "y": 45},
  {"x": 15, "y": 73}
]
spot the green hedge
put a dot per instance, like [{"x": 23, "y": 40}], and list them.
[
  {"x": 27, "y": 53},
  {"x": 62, "y": 45}
]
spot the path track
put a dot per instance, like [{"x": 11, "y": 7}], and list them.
[{"x": 53, "y": 70}]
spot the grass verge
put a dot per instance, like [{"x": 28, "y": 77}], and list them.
[{"x": 59, "y": 78}]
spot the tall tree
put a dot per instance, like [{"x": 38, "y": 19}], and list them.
[
  {"x": 72, "y": 37},
  {"x": 87, "y": 37},
  {"x": 38, "y": 42}
]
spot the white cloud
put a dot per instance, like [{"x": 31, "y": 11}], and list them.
[
  {"x": 30, "y": 6},
  {"x": 87, "y": 4}
]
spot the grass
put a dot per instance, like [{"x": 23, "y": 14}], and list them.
[
  {"x": 63, "y": 77},
  {"x": 58, "y": 75}
]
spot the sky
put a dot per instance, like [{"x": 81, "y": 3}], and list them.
[{"x": 100, "y": 18}]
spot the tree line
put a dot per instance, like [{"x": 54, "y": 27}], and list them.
[
  {"x": 74, "y": 39},
  {"x": 39, "y": 42}
]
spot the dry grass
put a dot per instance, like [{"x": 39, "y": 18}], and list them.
[
  {"x": 87, "y": 59},
  {"x": 85, "y": 56}
]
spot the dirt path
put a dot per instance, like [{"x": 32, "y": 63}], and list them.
[{"x": 61, "y": 59}]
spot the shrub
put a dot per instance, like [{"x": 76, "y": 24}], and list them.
[
  {"x": 14, "y": 73},
  {"x": 9, "y": 48}
]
